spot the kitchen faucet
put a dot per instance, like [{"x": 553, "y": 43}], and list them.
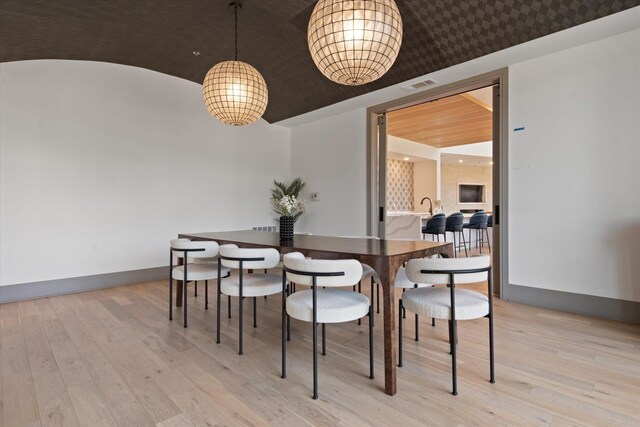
[{"x": 430, "y": 204}]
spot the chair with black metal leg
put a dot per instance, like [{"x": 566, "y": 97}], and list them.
[
  {"x": 369, "y": 273},
  {"x": 319, "y": 305},
  {"x": 403, "y": 282},
  {"x": 190, "y": 271},
  {"x": 435, "y": 226},
  {"x": 450, "y": 303},
  {"x": 478, "y": 222},
  {"x": 455, "y": 224},
  {"x": 246, "y": 286}
]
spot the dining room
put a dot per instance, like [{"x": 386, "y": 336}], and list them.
[{"x": 193, "y": 213}]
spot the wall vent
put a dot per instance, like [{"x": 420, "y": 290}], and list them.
[
  {"x": 419, "y": 85},
  {"x": 271, "y": 228}
]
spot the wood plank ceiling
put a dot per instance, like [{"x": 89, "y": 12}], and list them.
[
  {"x": 456, "y": 120},
  {"x": 163, "y": 35}
]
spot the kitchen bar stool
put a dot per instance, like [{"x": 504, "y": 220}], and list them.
[
  {"x": 435, "y": 226},
  {"x": 322, "y": 306},
  {"x": 450, "y": 303},
  {"x": 455, "y": 224},
  {"x": 478, "y": 222},
  {"x": 190, "y": 271},
  {"x": 251, "y": 286}
]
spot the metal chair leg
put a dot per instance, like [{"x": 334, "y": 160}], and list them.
[
  {"x": 170, "y": 298},
  {"x": 417, "y": 333},
  {"x": 218, "y": 312},
  {"x": 206, "y": 295},
  {"x": 184, "y": 295},
  {"x": 488, "y": 242},
  {"x": 464, "y": 242},
  {"x": 284, "y": 328},
  {"x": 240, "y": 316},
  {"x": 453, "y": 359},
  {"x": 195, "y": 289},
  {"x": 400, "y": 311},
  {"x": 378, "y": 297},
  {"x": 371, "y": 376},
  {"x": 324, "y": 341},
  {"x": 491, "y": 350},
  {"x": 229, "y": 306},
  {"x": 359, "y": 291},
  {"x": 255, "y": 324},
  {"x": 433, "y": 321},
  {"x": 315, "y": 340}
]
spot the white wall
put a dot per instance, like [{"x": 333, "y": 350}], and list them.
[
  {"x": 102, "y": 164},
  {"x": 574, "y": 181},
  {"x": 331, "y": 156}
]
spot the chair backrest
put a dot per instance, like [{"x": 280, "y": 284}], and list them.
[
  {"x": 439, "y": 214},
  {"x": 490, "y": 221},
  {"x": 258, "y": 258},
  {"x": 210, "y": 248},
  {"x": 436, "y": 224},
  {"x": 463, "y": 267},
  {"x": 351, "y": 269},
  {"x": 455, "y": 221},
  {"x": 479, "y": 220}
]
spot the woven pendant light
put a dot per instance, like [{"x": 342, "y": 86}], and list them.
[
  {"x": 354, "y": 42},
  {"x": 234, "y": 92}
]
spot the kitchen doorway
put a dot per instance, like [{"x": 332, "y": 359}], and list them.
[{"x": 439, "y": 152}]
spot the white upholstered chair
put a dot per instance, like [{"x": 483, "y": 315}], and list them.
[
  {"x": 403, "y": 282},
  {"x": 246, "y": 286},
  {"x": 189, "y": 251},
  {"x": 369, "y": 273},
  {"x": 451, "y": 302},
  {"x": 319, "y": 305}
]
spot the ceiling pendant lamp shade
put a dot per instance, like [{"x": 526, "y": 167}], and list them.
[
  {"x": 234, "y": 92},
  {"x": 354, "y": 42}
]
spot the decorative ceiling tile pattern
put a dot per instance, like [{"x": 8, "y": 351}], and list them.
[
  {"x": 399, "y": 185},
  {"x": 162, "y": 36}
]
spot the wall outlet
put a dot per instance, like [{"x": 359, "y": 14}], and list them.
[{"x": 315, "y": 196}]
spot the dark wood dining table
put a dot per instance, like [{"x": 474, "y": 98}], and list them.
[{"x": 385, "y": 256}]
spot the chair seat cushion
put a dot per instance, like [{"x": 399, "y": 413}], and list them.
[
  {"x": 253, "y": 285},
  {"x": 402, "y": 281},
  {"x": 436, "y": 303},
  {"x": 334, "y": 305},
  {"x": 368, "y": 271},
  {"x": 204, "y": 271}
]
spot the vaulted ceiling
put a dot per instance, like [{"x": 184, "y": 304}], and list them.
[{"x": 162, "y": 36}]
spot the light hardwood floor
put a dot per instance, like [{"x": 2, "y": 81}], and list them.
[{"x": 111, "y": 357}]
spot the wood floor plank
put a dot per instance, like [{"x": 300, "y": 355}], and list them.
[
  {"x": 55, "y": 408},
  {"x": 121, "y": 362},
  {"x": 19, "y": 401}
]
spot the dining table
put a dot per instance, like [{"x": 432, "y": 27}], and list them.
[{"x": 383, "y": 255}]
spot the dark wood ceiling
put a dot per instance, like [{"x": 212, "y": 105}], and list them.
[{"x": 161, "y": 36}]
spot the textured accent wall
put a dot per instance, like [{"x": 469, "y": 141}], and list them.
[{"x": 399, "y": 185}]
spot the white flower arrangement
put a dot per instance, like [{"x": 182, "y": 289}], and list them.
[{"x": 289, "y": 206}]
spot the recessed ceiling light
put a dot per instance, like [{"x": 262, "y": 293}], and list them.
[
  {"x": 405, "y": 159},
  {"x": 460, "y": 161},
  {"x": 196, "y": 53},
  {"x": 490, "y": 163}
]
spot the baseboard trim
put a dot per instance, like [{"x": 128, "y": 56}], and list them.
[
  {"x": 49, "y": 288},
  {"x": 609, "y": 308}
]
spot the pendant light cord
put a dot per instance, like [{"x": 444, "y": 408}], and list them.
[{"x": 236, "y": 34}]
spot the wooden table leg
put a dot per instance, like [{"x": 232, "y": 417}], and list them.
[
  {"x": 387, "y": 272},
  {"x": 179, "y": 287}
]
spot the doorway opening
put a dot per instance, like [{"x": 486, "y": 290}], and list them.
[{"x": 443, "y": 153}]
